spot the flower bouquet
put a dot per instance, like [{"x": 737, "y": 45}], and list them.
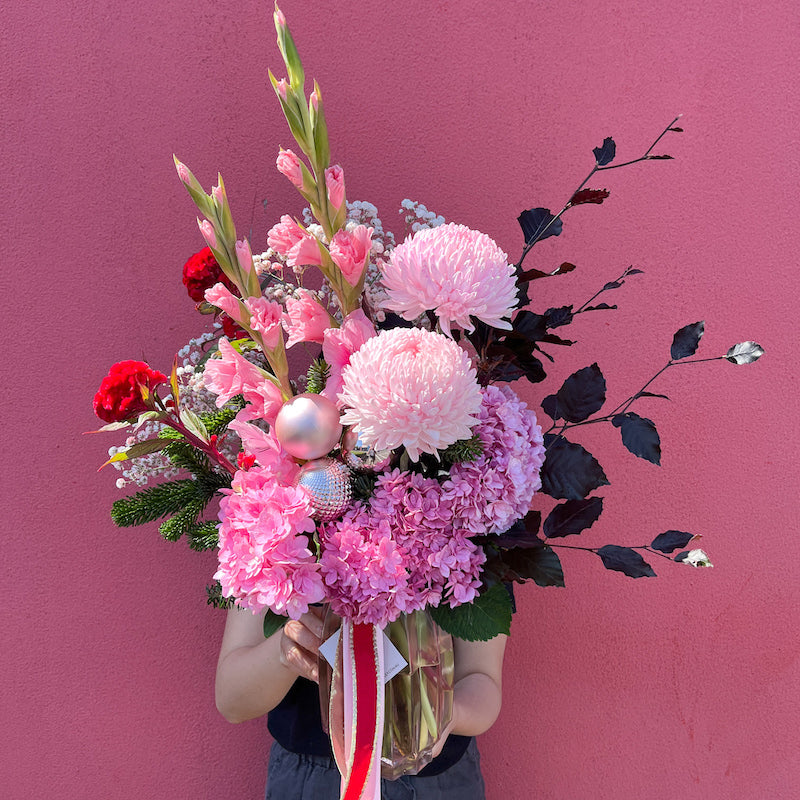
[{"x": 392, "y": 478}]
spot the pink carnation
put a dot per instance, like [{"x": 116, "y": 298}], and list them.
[
  {"x": 350, "y": 250},
  {"x": 489, "y": 494},
  {"x": 455, "y": 272},
  {"x": 305, "y": 319},
  {"x": 264, "y": 558},
  {"x": 412, "y": 388},
  {"x": 339, "y": 344}
]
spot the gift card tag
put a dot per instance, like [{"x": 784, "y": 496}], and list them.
[{"x": 393, "y": 662}]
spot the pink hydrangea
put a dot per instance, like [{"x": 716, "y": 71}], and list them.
[
  {"x": 264, "y": 558},
  {"x": 399, "y": 553},
  {"x": 455, "y": 272},
  {"x": 489, "y": 494},
  {"x": 412, "y": 388}
]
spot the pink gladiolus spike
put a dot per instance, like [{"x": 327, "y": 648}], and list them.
[
  {"x": 183, "y": 171},
  {"x": 305, "y": 252},
  {"x": 284, "y": 235},
  {"x": 288, "y": 164},
  {"x": 209, "y": 234},
  {"x": 244, "y": 255},
  {"x": 350, "y": 250},
  {"x": 220, "y": 296},
  {"x": 313, "y": 100},
  {"x": 283, "y": 88},
  {"x": 305, "y": 319},
  {"x": 280, "y": 19},
  {"x": 340, "y": 344},
  {"x": 265, "y": 318},
  {"x": 218, "y": 195},
  {"x": 334, "y": 181}
]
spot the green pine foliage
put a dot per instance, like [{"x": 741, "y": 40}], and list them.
[
  {"x": 180, "y": 522},
  {"x": 363, "y": 485},
  {"x": 214, "y": 597},
  {"x": 464, "y": 450},
  {"x": 153, "y": 503},
  {"x": 317, "y": 376},
  {"x": 203, "y": 535}
]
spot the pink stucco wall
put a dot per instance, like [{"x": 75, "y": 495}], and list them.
[{"x": 680, "y": 687}]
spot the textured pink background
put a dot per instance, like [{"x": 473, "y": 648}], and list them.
[{"x": 685, "y": 686}]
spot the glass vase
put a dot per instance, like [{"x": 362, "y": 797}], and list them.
[{"x": 418, "y": 699}]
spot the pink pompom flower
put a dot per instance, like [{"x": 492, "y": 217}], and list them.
[
  {"x": 455, "y": 272},
  {"x": 413, "y": 388}
]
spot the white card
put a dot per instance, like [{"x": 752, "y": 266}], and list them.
[{"x": 393, "y": 661}]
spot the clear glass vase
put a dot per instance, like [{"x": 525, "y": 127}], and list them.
[{"x": 418, "y": 700}]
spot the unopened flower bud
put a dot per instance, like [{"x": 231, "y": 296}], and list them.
[
  {"x": 183, "y": 172},
  {"x": 313, "y": 100},
  {"x": 282, "y": 88},
  {"x": 244, "y": 255},
  {"x": 209, "y": 234},
  {"x": 280, "y": 19}
]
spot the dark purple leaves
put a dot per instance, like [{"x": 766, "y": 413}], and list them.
[
  {"x": 538, "y": 224},
  {"x": 605, "y": 153},
  {"x": 580, "y": 396},
  {"x": 570, "y": 472},
  {"x": 540, "y": 564},
  {"x": 572, "y": 517},
  {"x": 686, "y": 340},
  {"x": 589, "y": 196},
  {"x": 669, "y": 541},
  {"x": 659, "y": 158},
  {"x": 521, "y": 534},
  {"x": 639, "y": 435},
  {"x": 745, "y": 353},
  {"x": 536, "y": 274},
  {"x": 626, "y": 560}
]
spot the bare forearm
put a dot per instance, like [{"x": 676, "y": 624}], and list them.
[{"x": 476, "y": 704}]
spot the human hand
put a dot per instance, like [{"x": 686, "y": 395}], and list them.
[{"x": 300, "y": 643}]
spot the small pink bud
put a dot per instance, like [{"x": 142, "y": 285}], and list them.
[
  {"x": 183, "y": 171},
  {"x": 334, "y": 181},
  {"x": 207, "y": 229},
  {"x": 283, "y": 89},
  {"x": 280, "y": 19},
  {"x": 218, "y": 195},
  {"x": 244, "y": 255},
  {"x": 289, "y": 165},
  {"x": 314, "y": 100}
]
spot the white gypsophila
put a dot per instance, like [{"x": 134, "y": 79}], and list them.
[
  {"x": 417, "y": 216},
  {"x": 697, "y": 558}
]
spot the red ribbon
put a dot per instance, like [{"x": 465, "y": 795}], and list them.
[{"x": 367, "y": 683}]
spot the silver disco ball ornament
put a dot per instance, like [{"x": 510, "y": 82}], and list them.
[
  {"x": 360, "y": 456},
  {"x": 328, "y": 484}
]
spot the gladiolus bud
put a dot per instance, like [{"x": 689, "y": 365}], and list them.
[
  {"x": 313, "y": 100},
  {"x": 283, "y": 89},
  {"x": 218, "y": 195},
  {"x": 209, "y": 234},
  {"x": 183, "y": 172},
  {"x": 280, "y": 19},
  {"x": 289, "y": 165},
  {"x": 244, "y": 255},
  {"x": 334, "y": 181}
]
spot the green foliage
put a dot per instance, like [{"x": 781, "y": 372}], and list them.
[
  {"x": 180, "y": 522},
  {"x": 464, "y": 450},
  {"x": 317, "y": 376},
  {"x": 214, "y": 597},
  {"x": 363, "y": 485},
  {"x": 272, "y": 623},
  {"x": 203, "y": 535},
  {"x": 153, "y": 503},
  {"x": 483, "y": 619}
]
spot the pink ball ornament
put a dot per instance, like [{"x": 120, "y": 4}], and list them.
[
  {"x": 328, "y": 485},
  {"x": 308, "y": 426}
]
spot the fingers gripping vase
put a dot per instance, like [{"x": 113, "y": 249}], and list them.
[{"x": 418, "y": 700}]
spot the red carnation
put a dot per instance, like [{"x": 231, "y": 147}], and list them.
[
  {"x": 201, "y": 272},
  {"x": 119, "y": 397}
]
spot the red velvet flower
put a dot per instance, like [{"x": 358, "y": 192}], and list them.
[
  {"x": 119, "y": 397},
  {"x": 231, "y": 329},
  {"x": 201, "y": 272}
]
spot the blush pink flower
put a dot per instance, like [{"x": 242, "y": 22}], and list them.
[
  {"x": 412, "y": 388},
  {"x": 264, "y": 555},
  {"x": 221, "y": 296},
  {"x": 334, "y": 182},
  {"x": 267, "y": 451},
  {"x": 339, "y": 344},
  {"x": 455, "y": 272},
  {"x": 305, "y": 252},
  {"x": 289, "y": 165},
  {"x": 284, "y": 235},
  {"x": 265, "y": 318},
  {"x": 350, "y": 250},
  {"x": 305, "y": 319}
]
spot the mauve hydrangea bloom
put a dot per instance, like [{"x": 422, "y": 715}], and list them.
[
  {"x": 455, "y": 272},
  {"x": 264, "y": 559},
  {"x": 399, "y": 553},
  {"x": 410, "y": 387},
  {"x": 489, "y": 494}
]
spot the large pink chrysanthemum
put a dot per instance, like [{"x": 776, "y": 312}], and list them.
[
  {"x": 410, "y": 387},
  {"x": 264, "y": 560},
  {"x": 455, "y": 272}
]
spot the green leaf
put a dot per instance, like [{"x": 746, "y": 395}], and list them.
[
  {"x": 137, "y": 450},
  {"x": 483, "y": 619},
  {"x": 194, "y": 424},
  {"x": 272, "y": 623},
  {"x": 153, "y": 503}
]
